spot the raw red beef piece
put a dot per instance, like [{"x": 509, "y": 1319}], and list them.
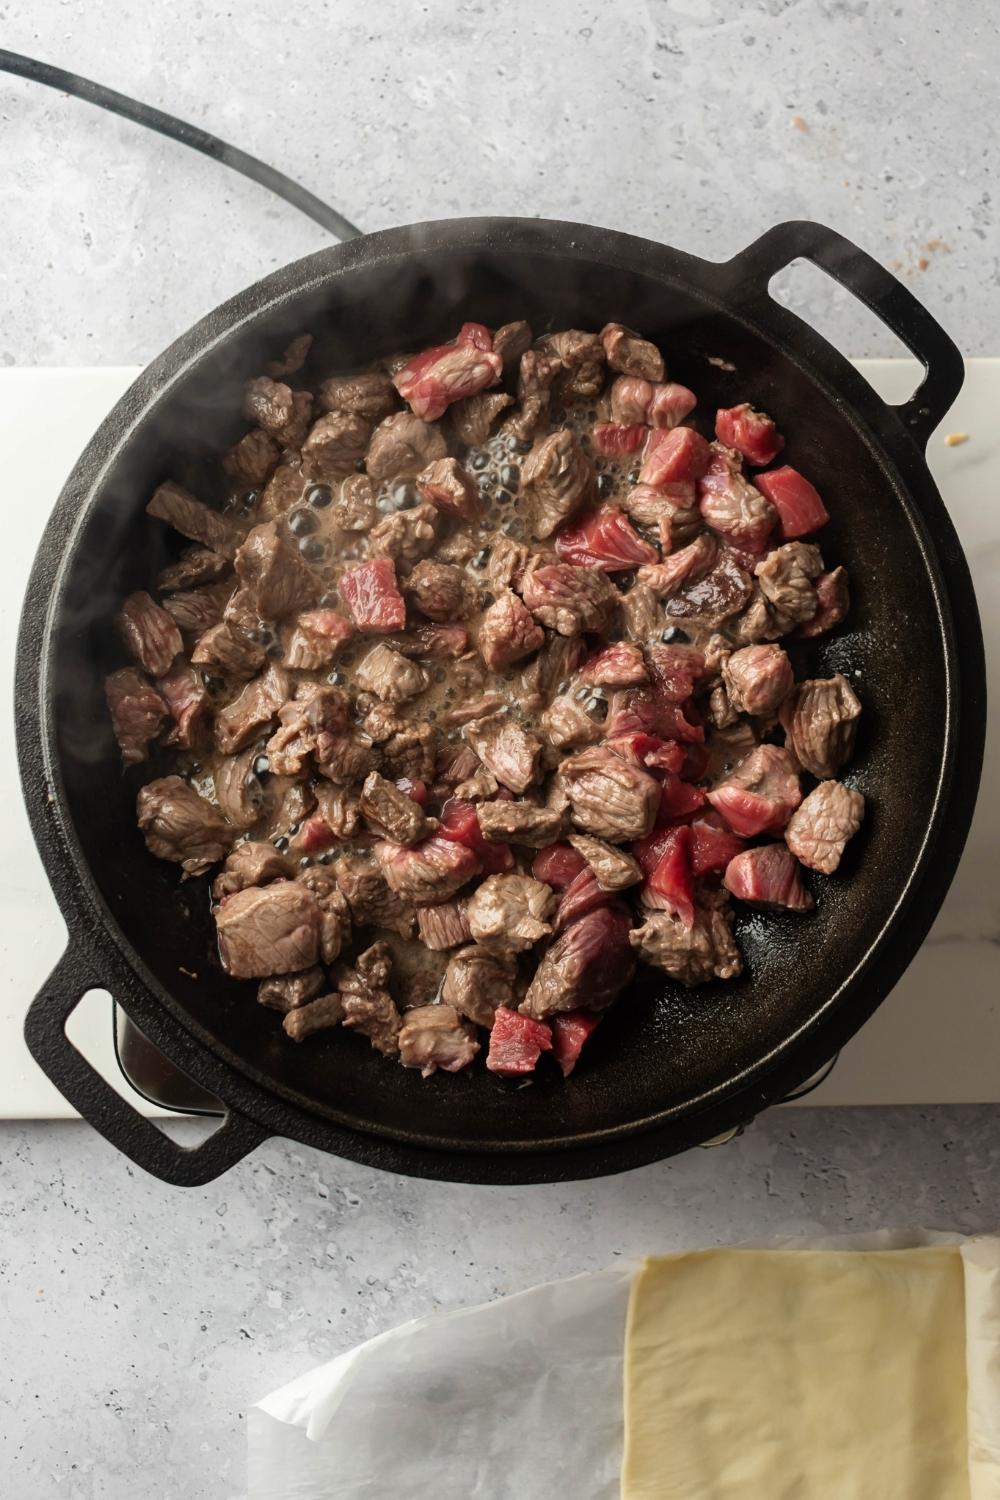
[
  {"x": 372, "y": 596},
  {"x": 460, "y": 824},
  {"x": 761, "y": 794},
  {"x": 516, "y": 1043},
  {"x": 569, "y": 1032},
  {"x": 647, "y": 750},
  {"x": 583, "y": 894},
  {"x": 768, "y": 875},
  {"x": 678, "y": 799},
  {"x": 752, "y": 433},
  {"x": 612, "y": 439},
  {"x": 558, "y": 865},
  {"x": 673, "y": 456},
  {"x": 431, "y": 381},
  {"x": 800, "y": 509},
  {"x": 712, "y": 845},
  {"x": 605, "y": 540},
  {"x": 670, "y": 886}
]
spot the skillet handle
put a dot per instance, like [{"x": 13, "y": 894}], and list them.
[
  {"x": 103, "y": 1108},
  {"x": 863, "y": 276}
]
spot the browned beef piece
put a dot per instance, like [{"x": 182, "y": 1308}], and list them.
[
  {"x": 294, "y": 800},
  {"x": 458, "y": 765},
  {"x": 149, "y": 633},
  {"x": 196, "y": 610},
  {"x": 406, "y": 537},
  {"x": 402, "y": 445},
  {"x": 716, "y": 597},
  {"x": 818, "y": 831},
  {"x": 271, "y": 929},
  {"x": 630, "y": 354},
  {"x": 338, "y": 809},
  {"x": 372, "y": 395},
  {"x": 334, "y": 911},
  {"x": 293, "y": 358},
  {"x": 187, "y": 699},
  {"x": 197, "y": 522},
  {"x": 390, "y": 676},
  {"x": 229, "y": 652},
  {"x": 757, "y": 622},
  {"x": 475, "y": 708},
  {"x": 270, "y": 567},
  {"x": 316, "y": 1015},
  {"x": 279, "y": 410},
  {"x": 508, "y": 633},
  {"x": 371, "y": 902},
  {"x": 179, "y": 825},
  {"x": 284, "y": 489},
  {"x": 507, "y": 562},
  {"x": 137, "y": 712},
  {"x": 610, "y": 798},
  {"x": 566, "y": 724},
  {"x": 569, "y": 599},
  {"x": 449, "y": 488},
  {"x": 833, "y": 600},
  {"x": 286, "y": 992},
  {"x": 556, "y": 479},
  {"x": 536, "y": 373},
  {"x": 442, "y": 591},
  {"x": 582, "y": 358},
  {"x": 691, "y": 955},
  {"x": 589, "y": 964},
  {"x": 758, "y": 679},
  {"x": 511, "y": 340},
  {"x": 820, "y": 720},
  {"x": 335, "y": 444},
  {"x": 619, "y": 665},
  {"x": 239, "y": 791},
  {"x": 250, "y": 864},
  {"x": 251, "y": 460},
  {"x": 354, "y": 509},
  {"x": 407, "y": 747},
  {"x": 472, "y": 418},
  {"x": 730, "y": 504},
  {"x": 255, "y": 707},
  {"x": 435, "y": 1036},
  {"x": 554, "y": 665},
  {"x": 460, "y": 547},
  {"x": 444, "y": 926},
  {"x": 308, "y": 725},
  {"x": 520, "y": 823},
  {"x": 477, "y": 981},
  {"x": 786, "y": 578},
  {"x": 721, "y": 712},
  {"x": 510, "y": 752},
  {"x": 194, "y": 566},
  {"x": 614, "y": 870},
  {"x": 374, "y": 1014},
  {"x": 390, "y": 813},
  {"x": 642, "y": 614},
  {"x": 344, "y": 758},
  {"x": 430, "y": 872},
  {"x": 680, "y": 568},
  {"x": 674, "y": 513},
  {"x": 510, "y": 913},
  {"x": 318, "y": 636}
]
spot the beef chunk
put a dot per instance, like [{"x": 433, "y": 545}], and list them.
[
  {"x": 283, "y": 490},
  {"x": 226, "y": 650},
  {"x": 582, "y": 358},
  {"x": 149, "y": 633},
  {"x": 555, "y": 663},
  {"x": 556, "y": 479},
  {"x": 507, "y": 562},
  {"x": 402, "y": 445},
  {"x": 768, "y": 875},
  {"x": 761, "y": 794},
  {"x": 287, "y": 992},
  {"x": 371, "y": 395},
  {"x": 516, "y": 1043},
  {"x": 520, "y": 822},
  {"x": 368, "y": 1006},
  {"x": 334, "y": 911},
  {"x": 613, "y": 869},
  {"x": 733, "y": 506},
  {"x": 642, "y": 614},
  {"x": 566, "y": 724},
  {"x": 472, "y": 418},
  {"x": 269, "y": 403},
  {"x": 820, "y": 720},
  {"x": 407, "y": 747},
  {"x": 786, "y": 581},
  {"x": 818, "y": 831},
  {"x": 197, "y": 522},
  {"x": 444, "y": 926},
  {"x": 511, "y": 340},
  {"x": 626, "y": 352},
  {"x": 757, "y": 622},
  {"x": 272, "y": 929},
  {"x": 674, "y": 456},
  {"x": 568, "y": 599},
  {"x": 659, "y": 406},
  {"x": 833, "y": 600},
  {"x": 618, "y": 665},
  {"x": 318, "y": 635},
  {"x": 372, "y": 596},
  {"x": 355, "y": 509},
  {"x": 315, "y": 1015},
  {"x": 716, "y": 597},
  {"x": 243, "y": 798},
  {"x": 799, "y": 505},
  {"x": 187, "y": 699},
  {"x": 251, "y": 864},
  {"x": 137, "y": 712},
  {"x": 406, "y": 537},
  {"x": 752, "y": 433},
  {"x": 270, "y": 567},
  {"x": 428, "y": 873},
  {"x": 336, "y": 443},
  {"x": 672, "y": 510},
  {"x": 758, "y": 679},
  {"x": 179, "y": 825},
  {"x": 510, "y": 752},
  {"x": 608, "y": 797},
  {"x": 196, "y": 610},
  {"x": 255, "y": 707},
  {"x": 431, "y": 381},
  {"x": 390, "y": 813},
  {"x": 339, "y": 810},
  {"x": 509, "y": 913},
  {"x": 536, "y": 374},
  {"x": 195, "y": 565},
  {"x": 692, "y": 955},
  {"x": 311, "y": 723},
  {"x": 588, "y": 964},
  {"x": 252, "y": 459},
  {"x": 445, "y": 485},
  {"x": 435, "y": 1036},
  {"x": 507, "y": 633},
  {"x": 442, "y": 592},
  {"x": 680, "y": 568},
  {"x": 720, "y": 711},
  {"x": 390, "y": 676},
  {"x": 477, "y": 981}
]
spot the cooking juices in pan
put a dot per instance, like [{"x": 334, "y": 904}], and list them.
[{"x": 480, "y": 691}]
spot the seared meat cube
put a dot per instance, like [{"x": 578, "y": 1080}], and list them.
[
  {"x": 641, "y": 613},
  {"x": 568, "y": 599},
  {"x": 507, "y": 633},
  {"x": 614, "y": 870},
  {"x": 428, "y": 873},
  {"x": 336, "y": 443},
  {"x": 283, "y": 490},
  {"x": 371, "y": 395},
  {"x": 179, "y": 825},
  {"x": 390, "y": 813},
  {"x": 608, "y": 797},
  {"x": 510, "y": 913},
  {"x": 308, "y": 724},
  {"x": 582, "y": 357},
  {"x": 197, "y": 522},
  {"x": 252, "y": 459},
  {"x": 390, "y": 676},
  {"x": 681, "y": 568},
  {"x": 344, "y": 758},
  {"x": 187, "y": 698},
  {"x": 516, "y": 1043},
  {"x": 716, "y": 597},
  {"x": 512, "y": 340},
  {"x": 692, "y": 955},
  {"x": 761, "y": 794},
  {"x": 520, "y": 823},
  {"x": 355, "y": 509},
  {"x": 406, "y": 537},
  {"x": 371, "y": 902},
  {"x": 507, "y": 562},
  {"x": 442, "y": 592},
  {"x": 758, "y": 679},
  {"x": 435, "y": 1036},
  {"x": 334, "y": 911},
  {"x": 798, "y": 504},
  {"x": 556, "y": 479},
  {"x": 446, "y": 486},
  {"x": 566, "y": 724},
  {"x": 372, "y": 596},
  {"x": 757, "y": 622},
  {"x": 588, "y": 964},
  {"x": 768, "y": 875},
  {"x": 149, "y": 633},
  {"x": 617, "y": 665},
  {"x": 286, "y": 992},
  {"x": 818, "y": 831},
  {"x": 507, "y": 750},
  {"x": 820, "y": 720},
  {"x": 720, "y": 711},
  {"x": 672, "y": 509},
  {"x": 196, "y": 610},
  {"x": 786, "y": 580},
  {"x": 558, "y": 659},
  {"x": 536, "y": 373},
  {"x": 242, "y": 797},
  {"x": 137, "y": 712},
  {"x": 271, "y": 929},
  {"x": 431, "y": 381},
  {"x": 456, "y": 766},
  {"x": 407, "y": 747},
  {"x": 226, "y": 650},
  {"x": 733, "y": 506},
  {"x": 339, "y": 810},
  {"x": 472, "y": 418},
  {"x": 833, "y": 600},
  {"x": 315, "y": 1015},
  {"x": 251, "y": 864},
  {"x": 195, "y": 565},
  {"x": 402, "y": 445},
  {"x": 444, "y": 926},
  {"x": 477, "y": 981},
  {"x": 271, "y": 404},
  {"x": 255, "y": 707},
  {"x": 292, "y": 360},
  {"x": 631, "y": 354},
  {"x": 752, "y": 433},
  {"x": 318, "y": 636},
  {"x": 636, "y": 400},
  {"x": 270, "y": 568}
]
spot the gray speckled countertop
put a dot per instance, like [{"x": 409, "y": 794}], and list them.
[{"x": 139, "y": 1322}]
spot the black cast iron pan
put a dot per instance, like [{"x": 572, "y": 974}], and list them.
[{"x": 669, "y": 1068}]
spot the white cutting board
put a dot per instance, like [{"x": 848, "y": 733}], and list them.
[{"x": 935, "y": 1040}]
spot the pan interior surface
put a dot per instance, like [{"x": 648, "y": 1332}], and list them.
[{"x": 661, "y": 1048}]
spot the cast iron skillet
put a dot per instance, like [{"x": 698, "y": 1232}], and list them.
[{"x": 668, "y": 1068}]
